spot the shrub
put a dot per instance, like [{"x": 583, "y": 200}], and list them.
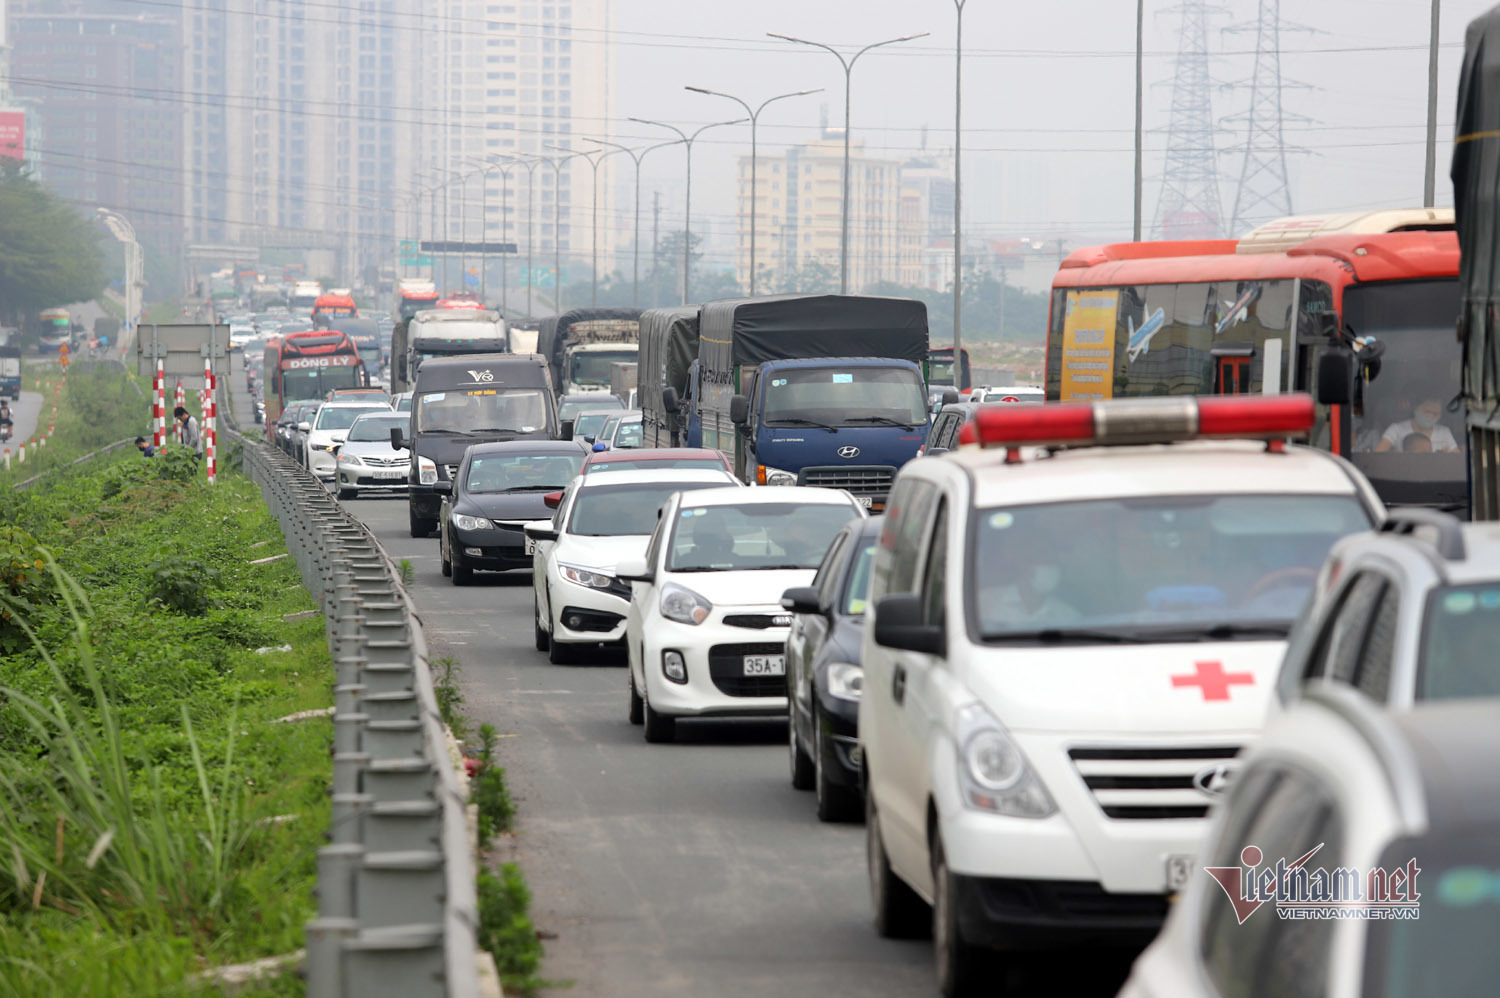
[{"x": 182, "y": 584}]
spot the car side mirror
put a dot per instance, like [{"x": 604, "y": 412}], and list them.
[
  {"x": 600, "y": 447},
  {"x": 443, "y": 488},
  {"x": 305, "y": 427},
  {"x": 565, "y": 430},
  {"x": 739, "y": 410},
  {"x": 634, "y": 570},
  {"x": 1336, "y": 376},
  {"x": 589, "y": 438},
  {"x": 801, "y": 599},
  {"x": 552, "y": 500},
  {"x": 934, "y": 451},
  {"x": 541, "y": 531},
  {"x": 670, "y": 400},
  {"x": 898, "y": 625},
  {"x": 398, "y": 439}
]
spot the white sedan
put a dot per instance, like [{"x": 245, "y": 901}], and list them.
[
  {"x": 706, "y": 631},
  {"x": 579, "y": 602}
]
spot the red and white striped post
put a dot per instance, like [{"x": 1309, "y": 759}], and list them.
[
  {"x": 159, "y": 406},
  {"x": 210, "y": 420}
]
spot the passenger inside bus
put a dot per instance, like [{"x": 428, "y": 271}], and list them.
[{"x": 1424, "y": 421}]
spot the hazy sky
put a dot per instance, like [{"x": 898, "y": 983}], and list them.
[{"x": 1049, "y": 99}]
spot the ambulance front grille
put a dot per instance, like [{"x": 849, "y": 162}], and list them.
[{"x": 1143, "y": 782}]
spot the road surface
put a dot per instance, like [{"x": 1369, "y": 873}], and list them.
[
  {"x": 689, "y": 869},
  {"x": 24, "y": 413}
]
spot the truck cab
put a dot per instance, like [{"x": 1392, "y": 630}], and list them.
[
  {"x": 588, "y": 367},
  {"x": 844, "y": 423}
]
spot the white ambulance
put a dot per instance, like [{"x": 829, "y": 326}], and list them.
[{"x": 1077, "y": 621}]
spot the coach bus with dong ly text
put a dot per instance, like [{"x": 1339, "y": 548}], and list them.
[
  {"x": 308, "y": 365},
  {"x": 1357, "y": 309}
]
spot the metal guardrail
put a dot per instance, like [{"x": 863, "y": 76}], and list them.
[{"x": 397, "y": 913}]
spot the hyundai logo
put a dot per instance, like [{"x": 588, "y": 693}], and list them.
[
  {"x": 1214, "y": 780},
  {"x": 848, "y": 452}
]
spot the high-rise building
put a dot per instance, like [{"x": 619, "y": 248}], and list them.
[
  {"x": 302, "y": 127},
  {"x": 104, "y": 88},
  {"x": 520, "y": 80},
  {"x": 799, "y": 212}
]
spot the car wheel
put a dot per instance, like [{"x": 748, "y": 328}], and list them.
[
  {"x": 637, "y": 708},
  {"x": 536, "y": 625},
  {"x": 463, "y": 575},
  {"x": 960, "y": 966},
  {"x": 899, "y": 912},
  {"x": 658, "y": 727},
  {"x": 835, "y": 802},
  {"x": 557, "y": 652},
  {"x": 347, "y": 494},
  {"x": 445, "y": 565},
  {"x": 801, "y": 765}
]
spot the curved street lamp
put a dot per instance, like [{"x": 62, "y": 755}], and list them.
[
  {"x": 754, "y": 114},
  {"x": 848, "y": 65},
  {"x": 636, "y": 155}
]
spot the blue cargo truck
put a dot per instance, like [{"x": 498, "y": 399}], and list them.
[{"x": 821, "y": 390}]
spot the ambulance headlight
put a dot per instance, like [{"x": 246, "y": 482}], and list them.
[{"x": 992, "y": 771}]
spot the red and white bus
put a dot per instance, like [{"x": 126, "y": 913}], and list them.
[
  {"x": 308, "y": 365},
  {"x": 333, "y": 307},
  {"x": 1258, "y": 314}
]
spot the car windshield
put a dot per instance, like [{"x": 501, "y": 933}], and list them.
[
  {"x": 569, "y": 408},
  {"x": 1459, "y": 636},
  {"x": 370, "y": 429},
  {"x": 628, "y": 435},
  {"x": 679, "y": 463},
  {"x": 1166, "y": 567},
  {"x": 342, "y": 417},
  {"x": 403, "y": 404},
  {"x": 859, "y": 582},
  {"x": 754, "y": 536},
  {"x": 625, "y": 510},
  {"x": 522, "y": 472},
  {"x": 593, "y": 367},
  {"x": 589, "y": 423},
  {"x": 1449, "y": 949},
  {"x": 842, "y": 398},
  {"x": 482, "y": 410}
]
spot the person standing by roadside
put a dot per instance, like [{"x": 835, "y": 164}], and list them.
[
  {"x": 187, "y": 429},
  {"x": 142, "y": 445}
]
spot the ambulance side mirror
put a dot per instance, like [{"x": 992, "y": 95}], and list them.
[{"x": 1336, "y": 376}]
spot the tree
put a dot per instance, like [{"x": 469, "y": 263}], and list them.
[{"x": 49, "y": 253}]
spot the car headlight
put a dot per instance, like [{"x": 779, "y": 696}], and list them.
[
  {"x": 774, "y": 476},
  {"x": 681, "y": 604},
  {"x": 463, "y": 522},
  {"x": 320, "y": 446},
  {"x": 352, "y": 459},
  {"x": 584, "y": 577},
  {"x": 993, "y": 774},
  {"x": 426, "y": 471},
  {"x": 846, "y": 681}
]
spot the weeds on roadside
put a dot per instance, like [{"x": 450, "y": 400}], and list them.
[
  {"x": 450, "y": 699},
  {"x": 506, "y": 930},
  {"x": 407, "y": 571},
  {"x": 490, "y": 794}
]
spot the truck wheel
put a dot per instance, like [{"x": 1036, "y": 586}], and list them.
[
  {"x": 419, "y": 526},
  {"x": 899, "y": 912}
]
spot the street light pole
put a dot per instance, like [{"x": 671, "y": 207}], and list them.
[
  {"x": 754, "y": 114},
  {"x": 1140, "y": 25},
  {"x": 636, "y": 155},
  {"x": 531, "y": 166},
  {"x": 119, "y": 226},
  {"x": 848, "y": 66},
  {"x": 1429, "y": 189},
  {"x": 594, "y": 158},
  {"x": 958, "y": 214},
  {"x": 557, "y": 279},
  {"x": 687, "y": 214}
]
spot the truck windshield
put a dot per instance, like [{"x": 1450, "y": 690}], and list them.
[
  {"x": 1151, "y": 568},
  {"x": 845, "y": 397},
  {"x": 1406, "y": 441},
  {"x": 755, "y": 536},
  {"x": 625, "y": 510},
  {"x": 592, "y": 367},
  {"x": 481, "y": 410},
  {"x": 311, "y": 383}
]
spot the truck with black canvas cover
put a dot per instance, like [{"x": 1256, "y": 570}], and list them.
[
  {"x": 462, "y": 401},
  {"x": 581, "y": 345},
  {"x": 665, "y": 376},
  {"x": 822, "y": 390}
]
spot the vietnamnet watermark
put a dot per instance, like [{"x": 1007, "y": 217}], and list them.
[{"x": 1298, "y": 892}]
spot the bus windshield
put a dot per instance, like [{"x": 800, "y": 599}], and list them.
[
  {"x": 486, "y": 410},
  {"x": 1405, "y": 438},
  {"x": 317, "y": 382}
]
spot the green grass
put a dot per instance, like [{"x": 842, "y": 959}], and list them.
[
  {"x": 96, "y": 406},
  {"x": 137, "y": 757}
]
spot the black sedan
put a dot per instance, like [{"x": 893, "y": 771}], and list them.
[
  {"x": 823, "y": 674},
  {"x": 497, "y": 490}
]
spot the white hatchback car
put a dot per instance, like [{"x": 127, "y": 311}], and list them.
[
  {"x": 328, "y": 429},
  {"x": 578, "y": 600},
  {"x": 706, "y": 631}
]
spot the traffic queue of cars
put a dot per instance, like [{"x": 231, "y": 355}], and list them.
[{"x": 1041, "y": 677}]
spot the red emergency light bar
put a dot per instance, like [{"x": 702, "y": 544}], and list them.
[{"x": 1140, "y": 421}]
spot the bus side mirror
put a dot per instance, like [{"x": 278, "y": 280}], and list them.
[
  {"x": 670, "y": 400},
  {"x": 1336, "y": 376}
]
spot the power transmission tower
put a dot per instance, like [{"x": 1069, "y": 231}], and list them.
[
  {"x": 1263, "y": 192},
  {"x": 1189, "y": 206}
]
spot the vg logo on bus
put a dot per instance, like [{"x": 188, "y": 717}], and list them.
[{"x": 484, "y": 376}]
